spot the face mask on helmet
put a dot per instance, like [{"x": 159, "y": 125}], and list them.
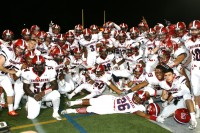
[
  {"x": 38, "y": 63},
  {"x": 99, "y": 71},
  {"x": 139, "y": 97}
]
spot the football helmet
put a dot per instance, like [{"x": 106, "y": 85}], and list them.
[
  {"x": 163, "y": 56},
  {"x": 26, "y": 34},
  {"x": 162, "y": 33},
  {"x": 106, "y": 33},
  {"x": 182, "y": 116},
  {"x": 34, "y": 29},
  {"x": 194, "y": 27},
  {"x": 7, "y": 35},
  {"x": 138, "y": 70},
  {"x": 103, "y": 52},
  {"x": 100, "y": 69},
  {"x": 70, "y": 37},
  {"x": 61, "y": 38},
  {"x": 38, "y": 63},
  {"x": 121, "y": 36},
  {"x": 78, "y": 29},
  {"x": 66, "y": 50},
  {"x": 56, "y": 29},
  {"x": 94, "y": 29},
  {"x": 87, "y": 34},
  {"x": 29, "y": 56},
  {"x": 57, "y": 54},
  {"x": 19, "y": 47},
  {"x": 134, "y": 32},
  {"x": 153, "y": 109},
  {"x": 41, "y": 35},
  {"x": 139, "y": 97},
  {"x": 78, "y": 53},
  {"x": 180, "y": 29},
  {"x": 124, "y": 27},
  {"x": 151, "y": 34}
]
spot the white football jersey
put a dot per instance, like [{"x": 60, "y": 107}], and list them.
[
  {"x": 194, "y": 48},
  {"x": 177, "y": 88},
  {"x": 9, "y": 55},
  {"x": 38, "y": 83},
  {"x": 125, "y": 104},
  {"x": 90, "y": 45},
  {"x": 107, "y": 62}
]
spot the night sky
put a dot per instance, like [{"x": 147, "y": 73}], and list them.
[{"x": 67, "y": 13}]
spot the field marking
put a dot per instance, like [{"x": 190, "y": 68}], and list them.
[
  {"x": 75, "y": 124},
  {"x": 39, "y": 123},
  {"x": 46, "y": 122}
]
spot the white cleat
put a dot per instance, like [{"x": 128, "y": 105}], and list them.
[
  {"x": 64, "y": 112},
  {"x": 57, "y": 117},
  {"x": 68, "y": 103},
  {"x": 193, "y": 124}
]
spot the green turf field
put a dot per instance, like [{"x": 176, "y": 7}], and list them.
[{"x": 80, "y": 123}]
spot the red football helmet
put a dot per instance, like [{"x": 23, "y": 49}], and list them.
[
  {"x": 171, "y": 29},
  {"x": 180, "y": 29},
  {"x": 57, "y": 54},
  {"x": 78, "y": 29},
  {"x": 61, "y": 38},
  {"x": 38, "y": 63},
  {"x": 103, "y": 52},
  {"x": 29, "y": 56},
  {"x": 121, "y": 36},
  {"x": 87, "y": 34},
  {"x": 34, "y": 29},
  {"x": 70, "y": 37},
  {"x": 94, "y": 28},
  {"x": 182, "y": 116},
  {"x": 163, "y": 56},
  {"x": 66, "y": 49},
  {"x": 56, "y": 29},
  {"x": 26, "y": 34},
  {"x": 134, "y": 32},
  {"x": 138, "y": 70},
  {"x": 153, "y": 109},
  {"x": 77, "y": 53},
  {"x": 151, "y": 33},
  {"x": 124, "y": 27},
  {"x": 7, "y": 35},
  {"x": 100, "y": 69},
  {"x": 19, "y": 47},
  {"x": 157, "y": 27},
  {"x": 194, "y": 27},
  {"x": 106, "y": 33},
  {"x": 139, "y": 97}
]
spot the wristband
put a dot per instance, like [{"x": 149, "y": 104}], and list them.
[
  {"x": 152, "y": 117},
  {"x": 47, "y": 90}
]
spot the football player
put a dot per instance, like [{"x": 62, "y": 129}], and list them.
[
  {"x": 109, "y": 104},
  {"x": 39, "y": 83}
]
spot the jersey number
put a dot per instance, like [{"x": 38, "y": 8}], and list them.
[{"x": 122, "y": 105}]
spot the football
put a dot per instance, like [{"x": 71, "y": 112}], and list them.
[
  {"x": 153, "y": 109},
  {"x": 182, "y": 116}
]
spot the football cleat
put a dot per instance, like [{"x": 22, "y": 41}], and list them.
[
  {"x": 64, "y": 112},
  {"x": 57, "y": 116},
  {"x": 12, "y": 113},
  {"x": 193, "y": 124},
  {"x": 68, "y": 103}
]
